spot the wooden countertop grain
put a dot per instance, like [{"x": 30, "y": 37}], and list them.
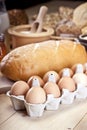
[{"x": 67, "y": 117}]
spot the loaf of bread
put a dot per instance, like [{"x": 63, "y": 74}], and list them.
[
  {"x": 80, "y": 15},
  {"x": 68, "y": 28},
  {"x": 38, "y": 58}
]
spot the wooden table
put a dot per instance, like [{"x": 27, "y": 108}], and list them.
[{"x": 67, "y": 117}]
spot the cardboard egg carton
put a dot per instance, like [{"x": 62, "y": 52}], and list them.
[
  {"x": 51, "y": 104},
  {"x": 17, "y": 101},
  {"x": 37, "y": 110}
]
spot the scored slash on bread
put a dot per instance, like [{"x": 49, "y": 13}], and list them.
[{"x": 37, "y": 59}]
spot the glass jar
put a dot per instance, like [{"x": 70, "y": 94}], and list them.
[
  {"x": 4, "y": 18},
  {"x": 3, "y": 50}
]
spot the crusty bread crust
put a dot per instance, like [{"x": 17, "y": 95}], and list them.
[
  {"x": 38, "y": 58},
  {"x": 80, "y": 15}
]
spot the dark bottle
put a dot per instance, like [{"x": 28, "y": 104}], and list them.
[{"x": 3, "y": 50}]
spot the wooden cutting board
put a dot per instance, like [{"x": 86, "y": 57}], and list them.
[{"x": 5, "y": 84}]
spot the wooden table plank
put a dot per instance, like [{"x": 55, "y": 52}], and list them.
[
  {"x": 83, "y": 124},
  {"x": 66, "y": 117},
  {"x": 6, "y": 109}
]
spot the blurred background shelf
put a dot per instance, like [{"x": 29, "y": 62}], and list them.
[{"x": 53, "y": 6}]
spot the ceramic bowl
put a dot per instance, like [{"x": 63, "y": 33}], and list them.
[
  {"x": 21, "y": 35},
  {"x": 83, "y": 40},
  {"x": 83, "y": 37}
]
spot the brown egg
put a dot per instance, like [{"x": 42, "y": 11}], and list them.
[
  {"x": 66, "y": 72},
  {"x": 52, "y": 88},
  {"x": 78, "y": 68},
  {"x": 30, "y": 80},
  {"x": 49, "y": 73},
  {"x": 67, "y": 83},
  {"x": 36, "y": 95},
  {"x": 19, "y": 88}
]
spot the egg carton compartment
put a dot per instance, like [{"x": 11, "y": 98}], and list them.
[
  {"x": 52, "y": 102},
  {"x": 34, "y": 110},
  {"x": 67, "y": 96},
  {"x": 81, "y": 91},
  {"x": 17, "y": 101}
]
